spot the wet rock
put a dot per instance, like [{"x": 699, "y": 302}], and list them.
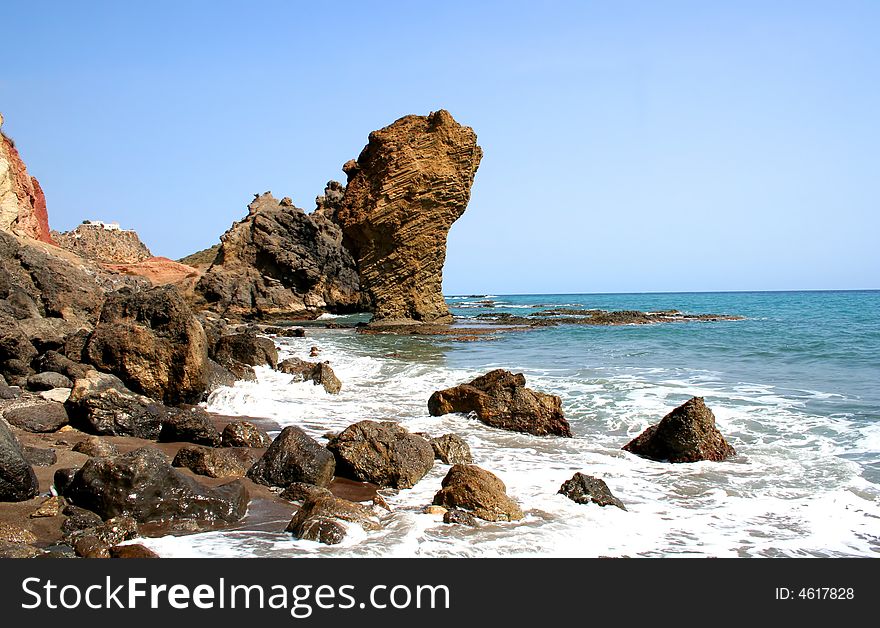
[
  {"x": 48, "y": 381},
  {"x": 407, "y": 187},
  {"x": 214, "y": 463},
  {"x": 460, "y": 517},
  {"x": 62, "y": 478},
  {"x": 319, "y": 519},
  {"x": 40, "y": 418},
  {"x": 49, "y": 507},
  {"x": 313, "y": 352},
  {"x": 142, "y": 484},
  {"x": 300, "y": 491},
  {"x": 39, "y": 457},
  {"x": 318, "y": 373},
  {"x": 244, "y": 434},
  {"x": 189, "y": 425},
  {"x": 245, "y": 348},
  {"x": 101, "y": 404},
  {"x": 17, "y": 479},
  {"x": 89, "y": 546},
  {"x": 384, "y": 453},
  {"x": 500, "y": 399},
  {"x": 96, "y": 447},
  {"x": 133, "y": 550},
  {"x": 481, "y": 492},
  {"x": 218, "y": 376},
  {"x": 687, "y": 434},
  {"x": 78, "y": 519},
  {"x": 11, "y": 533},
  {"x": 451, "y": 449},
  {"x": 585, "y": 489},
  {"x": 18, "y": 550},
  {"x": 294, "y": 457},
  {"x": 152, "y": 341}
]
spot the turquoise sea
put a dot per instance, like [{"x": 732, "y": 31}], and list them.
[{"x": 794, "y": 388}]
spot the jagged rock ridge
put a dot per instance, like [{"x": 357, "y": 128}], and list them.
[{"x": 22, "y": 202}]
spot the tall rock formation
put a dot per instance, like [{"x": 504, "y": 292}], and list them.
[
  {"x": 407, "y": 187},
  {"x": 279, "y": 262},
  {"x": 22, "y": 202},
  {"x": 104, "y": 242}
]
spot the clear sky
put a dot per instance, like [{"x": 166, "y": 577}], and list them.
[{"x": 628, "y": 146}]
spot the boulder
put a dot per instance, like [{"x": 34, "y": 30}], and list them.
[
  {"x": 585, "y": 489},
  {"x": 319, "y": 519},
  {"x": 294, "y": 457},
  {"x": 451, "y": 449},
  {"x": 382, "y": 453},
  {"x": 56, "y": 362},
  {"x": 316, "y": 372},
  {"x": 101, "y": 404},
  {"x": 189, "y": 425},
  {"x": 48, "y": 334},
  {"x": 468, "y": 487},
  {"x": 142, "y": 484},
  {"x": 133, "y": 550},
  {"x": 460, "y": 517},
  {"x": 96, "y": 447},
  {"x": 39, "y": 457},
  {"x": 152, "y": 341},
  {"x": 245, "y": 348},
  {"x": 47, "y": 381},
  {"x": 687, "y": 434},
  {"x": 18, "y": 482},
  {"x": 56, "y": 395},
  {"x": 214, "y": 463},
  {"x": 281, "y": 262},
  {"x": 407, "y": 187},
  {"x": 300, "y": 492},
  {"x": 78, "y": 519},
  {"x": 500, "y": 399},
  {"x": 218, "y": 376},
  {"x": 43, "y": 417},
  {"x": 244, "y": 434}
]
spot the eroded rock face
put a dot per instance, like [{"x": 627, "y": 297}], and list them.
[
  {"x": 17, "y": 479},
  {"x": 281, "y": 262},
  {"x": 407, "y": 187},
  {"x": 22, "y": 202},
  {"x": 105, "y": 243},
  {"x": 383, "y": 453},
  {"x": 143, "y": 485},
  {"x": 687, "y": 434},
  {"x": 470, "y": 488},
  {"x": 500, "y": 399},
  {"x": 152, "y": 341}
]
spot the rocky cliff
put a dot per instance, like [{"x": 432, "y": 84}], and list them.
[
  {"x": 279, "y": 261},
  {"x": 407, "y": 187},
  {"x": 105, "y": 243},
  {"x": 22, "y": 202}
]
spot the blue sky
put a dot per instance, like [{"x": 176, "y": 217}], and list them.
[{"x": 628, "y": 146}]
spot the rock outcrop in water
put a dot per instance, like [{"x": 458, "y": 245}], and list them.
[
  {"x": 407, "y": 187},
  {"x": 586, "y": 489},
  {"x": 103, "y": 242},
  {"x": 687, "y": 434},
  {"x": 281, "y": 262},
  {"x": 22, "y": 202},
  {"x": 470, "y": 488}
]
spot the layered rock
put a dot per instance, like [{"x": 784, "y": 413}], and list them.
[
  {"x": 281, "y": 262},
  {"x": 407, "y": 187},
  {"x": 500, "y": 399},
  {"x": 104, "y": 242},
  {"x": 687, "y": 434},
  {"x": 481, "y": 492},
  {"x": 22, "y": 202}
]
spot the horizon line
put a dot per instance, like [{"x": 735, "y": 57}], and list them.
[{"x": 539, "y": 294}]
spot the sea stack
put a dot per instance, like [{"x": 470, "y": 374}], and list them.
[
  {"x": 407, "y": 187},
  {"x": 22, "y": 202}
]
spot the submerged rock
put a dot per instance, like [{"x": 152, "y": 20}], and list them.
[
  {"x": 294, "y": 457},
  {"x": 687, "y": 434},
  {"x": 407, "y": 187},
  {"x": 316, "y": 372},
  {"x": 500, "y": 399},
  {"x": 320, "y": 516},
  {"x": 470, "y": 488},
  {"x": 585, "y": 489},
  {"x": 382, "y": 453},
  {"x": 18, "y": 482}
]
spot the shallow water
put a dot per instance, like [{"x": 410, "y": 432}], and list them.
[{"x": 793, "y": 388}]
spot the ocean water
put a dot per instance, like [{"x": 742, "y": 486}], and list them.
[{"x": 794, "y": 388}]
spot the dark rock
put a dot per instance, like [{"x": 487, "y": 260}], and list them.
[
  {"x": 16, "y": 371},
  {"x": 451, "y": 449},
  {"x": 245, "y": 348},
  {"x": 500, "y": 399},
  {"x": 218, "y": 376},
  {"x": 319, "y": 519},
  {"x": 460, "y": 517},
  {"x": 18, "y": 482},
  {"x": 244, "y": 434},
  {"x": 101, "y": 404},
  {"x": 152, "y": 341},
  {"x": 10, "y": 392},
  {"x": 471, "y": 488},
  {"x": 48, "y": 381},
  {"x": 90, "y": 546},
  {"x": 39, "y": 457},
  {"x": 687, "y": 434},
  {"x": 62, "y": 479},
  {"x": 78, "y": 519},
  {"x": 134, "y": 550},
  {"x": 214, "y": 463},
  {"x": 59, "y": 363},
  {"x": 242, "y": 372},
  {"x": 43, "y": 417},
  {"x": 317, "y": 372},
  {"x": 300, "y": 491},
  {"x": 189, "y": 425},
  {"x": 585, "y": 489},
  {"x": 294, "y": 457},
  {"x": 384, "y": 453},
  {"x": 142, "y": 484},
  {"x": 96, "y": 447}
]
